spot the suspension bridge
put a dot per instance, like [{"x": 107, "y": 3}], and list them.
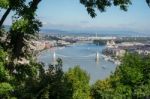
[{"x": 96, "y": 56}]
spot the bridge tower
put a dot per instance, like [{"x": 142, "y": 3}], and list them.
[
  {"x": 54, "y": 58},
  {"x": 97, "y": 57}
]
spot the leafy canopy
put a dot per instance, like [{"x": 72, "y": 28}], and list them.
[
  {"x": 77, "y": 84},
  {"x": 130, "y": 80},
  {"x": 102, "y": 5}
]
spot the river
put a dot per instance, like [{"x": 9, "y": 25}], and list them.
[{"x": 84, "y": 55}]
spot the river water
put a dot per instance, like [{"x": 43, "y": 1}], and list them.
[{"x": 84, "y": 55}]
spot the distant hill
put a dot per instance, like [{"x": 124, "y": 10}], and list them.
[
  {"x": 88, "y": 33},
  {"x": 93, "y": 33}
]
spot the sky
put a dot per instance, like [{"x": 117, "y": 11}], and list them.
[{"x": 72, "y": 16}]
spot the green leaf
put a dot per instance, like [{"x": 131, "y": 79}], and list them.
[{"x": 5, "y": 88}]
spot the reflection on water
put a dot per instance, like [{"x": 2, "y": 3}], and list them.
[{"x": 83, "y": 55}]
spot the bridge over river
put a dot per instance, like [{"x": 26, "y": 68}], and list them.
[
  {"x": 87, "y": 55},
  {"x": 95, "y": 56}
]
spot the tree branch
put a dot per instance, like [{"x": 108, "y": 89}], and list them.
[{"x": 5, "y": 16}]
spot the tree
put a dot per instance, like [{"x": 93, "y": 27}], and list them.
[
  {"x": 3, "y": 72},
  {"x": 101, "y": 89},
  {"x": 5, "y": 90},
  {"x": 54, "y": 82},
  {"x": 130, "y": 80},
  {"x": 5, "y": 86},
  {"x": 47, "y": 84},
  {"x": 18, "y": 6},
  {"x": 24, "y": 29},
  {"x": 101, "y": 5},
  {"x": 77, "y": 84},
  {"x": 9, "y": 5}
]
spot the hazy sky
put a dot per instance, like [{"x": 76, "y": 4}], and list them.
[{"x": 71, "y": 15}]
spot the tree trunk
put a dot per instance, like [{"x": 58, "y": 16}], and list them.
[{"x": 4, "y": 16}]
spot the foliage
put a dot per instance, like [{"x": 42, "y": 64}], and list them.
[
  {"x": 4, "y": 74},
  {"x": 5, "y": 90},
  {"x": 148, "y": 2},
  {"x": 9, "y": 5},
  {"x": 52, "y": 83},
  {"x": 21, "y": 33},
  {"x": 101, "y": 89},
  {"x": 4, "y": 3},
  {"x": 24, "y": 28},
  {"x": 14, "y": 4},
  {"x": 34, "y": 82},
  {"x": 5, "y": 87},
  {"x": 130, "y": 80},
  {"x": 102, "y": 5},
  {"x": 77, "y": 84}
]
